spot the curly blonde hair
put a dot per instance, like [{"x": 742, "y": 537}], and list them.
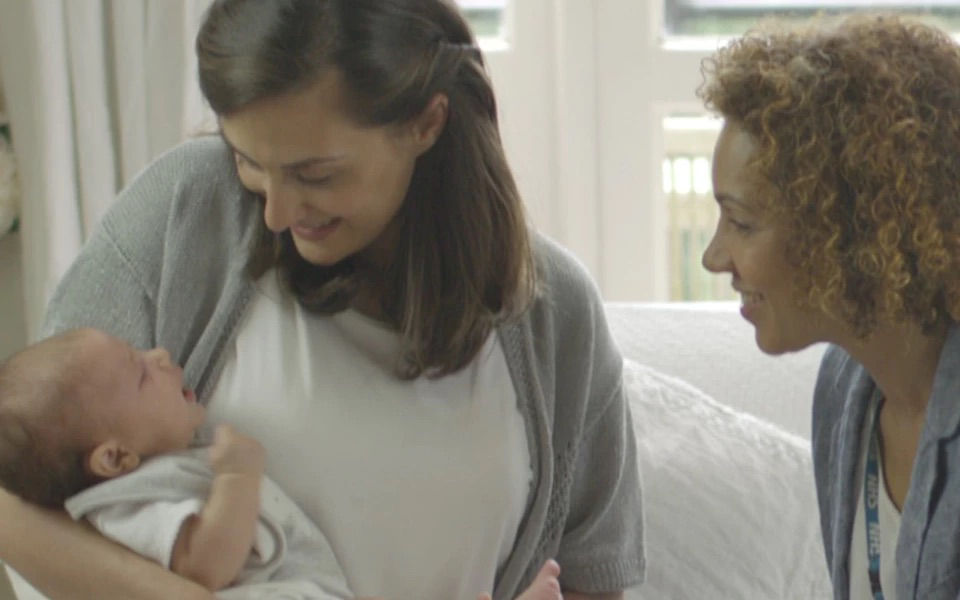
[{"x": 857, "y": 126}]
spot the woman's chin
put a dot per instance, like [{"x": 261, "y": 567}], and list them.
[
  {"x": 315, "y": 254},
  {"x": 776, "y": 345},
  {"x": 768, "y": 343}
]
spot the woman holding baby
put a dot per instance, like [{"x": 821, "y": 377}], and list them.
[{"x": 347, "y": 275}]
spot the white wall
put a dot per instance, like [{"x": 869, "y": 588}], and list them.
[{"x": 12, "y": 320}]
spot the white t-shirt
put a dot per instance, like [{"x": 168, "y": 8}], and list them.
[
  {"x": 419, "y": 485},
  {"x": 889, "y": 519}
]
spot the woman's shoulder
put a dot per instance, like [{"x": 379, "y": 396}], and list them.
[
  {"x": 195, "y": 154},
  {"x": 200, "y": 163},
  {"x": 835, "y": 362},
  {"x": 562, "y": 277},
  {"x": 192, "y": 187},
  {"x": 185, "y": 209},
  {"x": 838, "y": 372},
  {"x": 843, "y": 386},
  {"x": 567, "y": 304}
]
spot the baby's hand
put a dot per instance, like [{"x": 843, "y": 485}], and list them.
[{"x": 234, "y": 453}]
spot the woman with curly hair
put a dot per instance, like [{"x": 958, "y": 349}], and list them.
[{"x": 837, "y": 173}]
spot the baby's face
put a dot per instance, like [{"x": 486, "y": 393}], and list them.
[{"x": 138, "y": 396}]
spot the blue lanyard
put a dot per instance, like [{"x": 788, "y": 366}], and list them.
[{"x": 871, "y": 498}]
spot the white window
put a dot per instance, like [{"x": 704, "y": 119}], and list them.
[
  {"x": 609, "y": 143},
  {"x": 691, "y": 211},
  {"x": 730, "y": 17},
  {"x": 655, "y": 139},
  {"x": 488, "y": 20}
]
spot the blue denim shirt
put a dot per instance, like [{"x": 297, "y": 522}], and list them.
[{"x": 928, "y": 550}]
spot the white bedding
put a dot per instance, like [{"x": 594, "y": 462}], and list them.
[
  {"x": 729, "y": 499},
  {"x": 709, "y": 345}
]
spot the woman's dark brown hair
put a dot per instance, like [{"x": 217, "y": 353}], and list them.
[{"x": 463, "y": 261}]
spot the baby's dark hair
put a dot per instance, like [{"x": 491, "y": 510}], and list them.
[{"x": 41, "y": 460}]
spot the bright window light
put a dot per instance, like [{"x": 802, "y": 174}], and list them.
[{"x": 688, "y": 20}]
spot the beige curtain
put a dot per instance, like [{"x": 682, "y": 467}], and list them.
[{"x": 94, "y": 90}]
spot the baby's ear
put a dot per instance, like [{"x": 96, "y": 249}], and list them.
[{"x": 111, "y": 459}]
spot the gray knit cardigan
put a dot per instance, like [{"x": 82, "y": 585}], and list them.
[{"x": 166, "y": 267}]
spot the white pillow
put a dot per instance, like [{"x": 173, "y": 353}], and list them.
[
  {"x": 710, "y": 346},
  {"x": 729, "y": 500}
]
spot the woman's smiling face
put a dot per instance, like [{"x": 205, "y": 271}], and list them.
[
  {"x": 750, "y": 244},
  {"x": 335, "y": 185}
]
